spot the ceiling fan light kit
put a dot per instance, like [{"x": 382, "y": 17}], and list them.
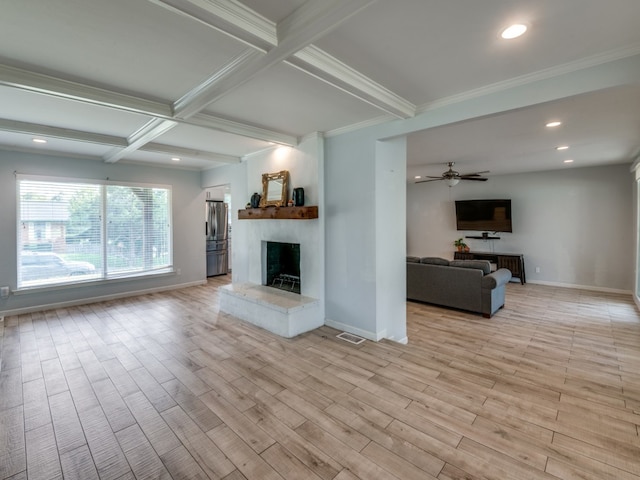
[{"x": 452, "y": 182}]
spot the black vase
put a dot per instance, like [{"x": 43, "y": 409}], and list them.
[
  {"x": 255, "y": 200},
  {"x": 298, "y": 197}
]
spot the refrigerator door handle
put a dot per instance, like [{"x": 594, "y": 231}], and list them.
[{"x": 206, "y": 228}]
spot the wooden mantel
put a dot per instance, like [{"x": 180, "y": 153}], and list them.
[{"x": 279, "y": 213}]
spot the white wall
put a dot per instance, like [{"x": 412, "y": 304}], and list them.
[
  {"x": 391, "y": 307},
  {"x": 350, "y": 235},
  {"x": 188, "y": 217},
  {"x": 574, "y": 224}
]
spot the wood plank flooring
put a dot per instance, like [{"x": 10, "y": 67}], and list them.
[{"x": 164, "y": 386}]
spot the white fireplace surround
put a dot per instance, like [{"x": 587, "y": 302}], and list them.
[{"x": 284, "y": 313}]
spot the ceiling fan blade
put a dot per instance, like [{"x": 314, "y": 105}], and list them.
[
  {"x": 474, "y": 174},
  {"x": 433, "y": 179},
  {"x": 478, "y": 179}
]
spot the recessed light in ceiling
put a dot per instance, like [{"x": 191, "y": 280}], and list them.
[
  {"x": 417, "y": 177},
  {"x": 513, "y": 31},
  {"x": 562, "y": 147},
  {"x": 175, "y": 159},
  {"x": 39, "y": 140},
  {"x": 568, "y": 161},
  {"x": 555, "y": 123}
]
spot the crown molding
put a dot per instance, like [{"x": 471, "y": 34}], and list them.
[
  {"x": 48, "y": 152},
  {"x": 312, "y": 136},
  {"x": 172, "y": 151},
  {"x": 372, "y": 122},
  {"x": 540, "y": 75},
  {"x": 241, "y": 129}
]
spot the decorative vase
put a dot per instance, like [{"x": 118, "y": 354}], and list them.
[
  {"x": 255, "y": 200},
  {"x": 298, "y": 196}
]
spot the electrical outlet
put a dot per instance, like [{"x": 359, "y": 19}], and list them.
[
  {"x": 4, "y": 292},
  {"x": 537, "y": 269}
]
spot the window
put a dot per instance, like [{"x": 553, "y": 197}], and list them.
[{"x": 70, "y": 231}]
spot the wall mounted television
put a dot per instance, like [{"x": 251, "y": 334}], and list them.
[{"x": 484, "y": 215}]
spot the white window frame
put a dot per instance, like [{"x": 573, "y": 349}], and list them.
[{"x": 105, "y": 275}]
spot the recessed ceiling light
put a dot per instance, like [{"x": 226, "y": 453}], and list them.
[
  {"x": 175, "y": 159},
  {"x": 568, "y": 161},
  {"x": 513, "y": 31},
  {"x": 417, "y": 177},
  {"x": 553, "y": 124},
  {"x": 39, "y": 140},
  {"x": 562, "y": 147}
]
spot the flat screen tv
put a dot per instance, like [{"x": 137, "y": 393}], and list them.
[{"x": 484, "y": 215}]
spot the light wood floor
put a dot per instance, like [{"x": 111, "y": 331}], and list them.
[{"x": 163, "y": 386}]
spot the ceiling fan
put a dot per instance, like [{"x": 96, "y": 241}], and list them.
[{"x": 452, "y": 177}]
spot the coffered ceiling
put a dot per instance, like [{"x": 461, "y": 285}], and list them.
[{"x": 212, "y": 81}]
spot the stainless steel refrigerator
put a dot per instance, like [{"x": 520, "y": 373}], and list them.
[{"x": 217, "y": 231}]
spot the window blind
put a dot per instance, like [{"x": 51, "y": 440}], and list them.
[{"x": 72, "y": 231}]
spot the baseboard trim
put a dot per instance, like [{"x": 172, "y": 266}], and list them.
[
  {"x": 376, "y": 337},
  {"x": 581, "y": 287},
  {"x": 103, "y": 298}
]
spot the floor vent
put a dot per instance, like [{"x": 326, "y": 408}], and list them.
[{"x": 351, "y": 338}]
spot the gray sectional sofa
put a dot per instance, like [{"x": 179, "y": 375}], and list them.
[{"x": 464, "y": 284}]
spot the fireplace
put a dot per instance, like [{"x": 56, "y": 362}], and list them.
[{"x": 281, "y": 266}]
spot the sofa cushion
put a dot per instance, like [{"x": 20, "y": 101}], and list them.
[
  {"x": 413, "y": 259},
  {"x": 483, "y": 265},
  {"x": 435, "y": 261}
]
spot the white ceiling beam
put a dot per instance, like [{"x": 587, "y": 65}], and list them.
[
  {"x": 329, "y": 69},
  {"x": 246, "y": 25},
  {"x": 56, "y": 87},
  {"x": 172, "y": 151},
  {"x": 60, "y": 133},
  {"x": 306, "y": 24},
  {"x": 153, "y": 129},
  {"x": 198, "y": 98},
  {"x": 314, "y": 19},
  {"x": 242, "y": 129},
  {"x": 229, "y": 17},
  {"x": 110, "y": 140}
]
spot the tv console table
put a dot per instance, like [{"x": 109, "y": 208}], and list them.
[{"x": 511, "y": 261}]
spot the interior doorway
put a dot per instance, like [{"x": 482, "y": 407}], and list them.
[{"x": 222, "y": 193}]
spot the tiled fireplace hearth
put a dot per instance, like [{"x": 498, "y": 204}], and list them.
[
  {"x": 283, "y": 313},
  {"x": 281, "y": 310}
]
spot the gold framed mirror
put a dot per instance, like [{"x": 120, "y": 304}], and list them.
[{"x": 274, "y": 189}]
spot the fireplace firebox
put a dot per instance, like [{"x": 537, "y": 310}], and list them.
[{"x": 281, "y": 266}]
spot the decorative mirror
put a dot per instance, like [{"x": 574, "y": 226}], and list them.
[{"x": 274, "y": 189}]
